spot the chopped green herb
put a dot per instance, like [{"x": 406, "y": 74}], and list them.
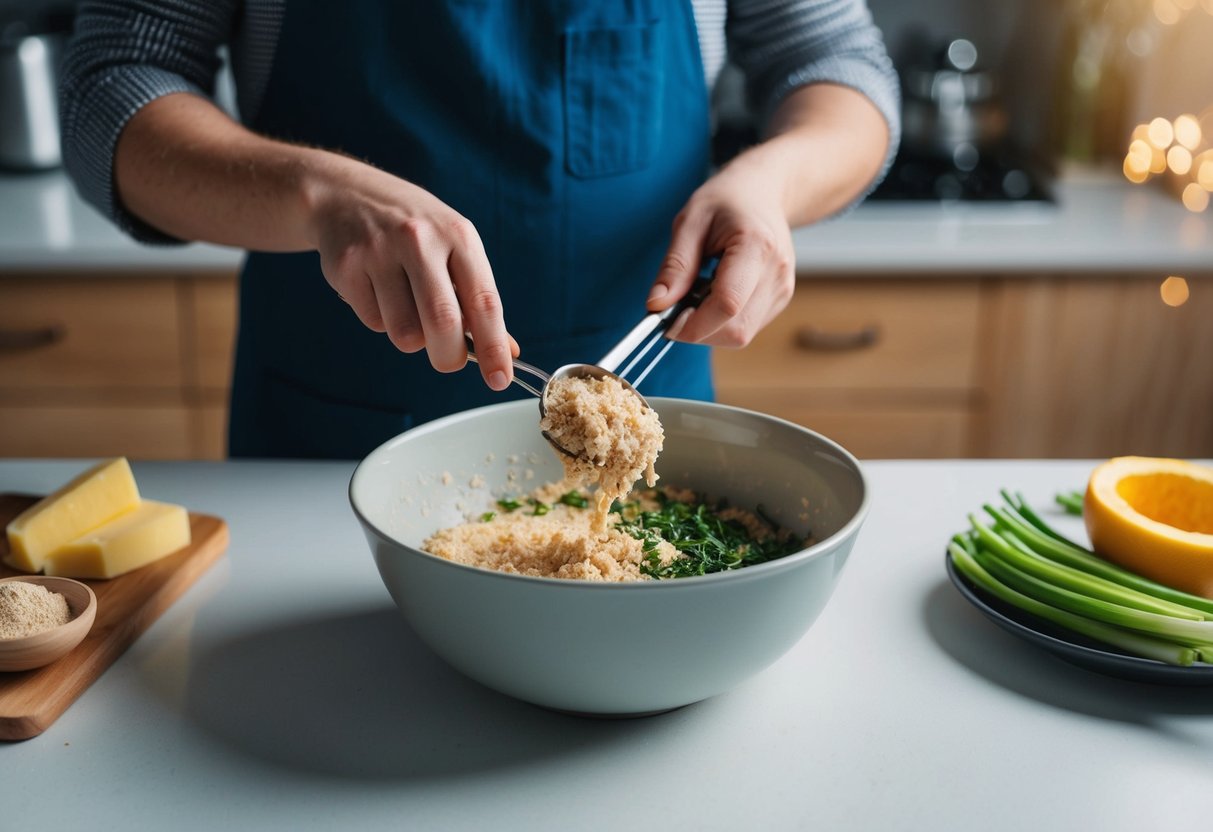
[
  {"x": 540, "y": 508},
  {"x": 509, "y": 504},
  {"x": 574, "y": 499},
  {"x": 487, "y": 516},
  {"x": 707, "y": 542}
]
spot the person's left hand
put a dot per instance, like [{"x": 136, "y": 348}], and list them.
[{"x": 739, "y": 214}]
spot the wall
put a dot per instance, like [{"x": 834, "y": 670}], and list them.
[{"x": 1178, "y": 77}]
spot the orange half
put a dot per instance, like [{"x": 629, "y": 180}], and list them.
[{"x": 1154, "y": 517}]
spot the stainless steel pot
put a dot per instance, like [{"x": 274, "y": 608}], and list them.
[
  {"x": 951, "y": 109},
  {"x": 29, "y": 111}
]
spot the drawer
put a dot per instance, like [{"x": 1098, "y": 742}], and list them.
[
  {"x": 144, "y": 432},
  {"x": 864, "y": 334},
  {"x": 911, "y": 431},
  {"x": 95, "y": 335}
]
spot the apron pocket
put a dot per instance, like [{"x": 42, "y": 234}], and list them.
[{"x": 614, "y": 80}]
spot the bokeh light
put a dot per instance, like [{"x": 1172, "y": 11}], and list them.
[
  {"x": 1174, "y": 291},
  {"x": 1204, "y": 170},
  {"x": 1158, "y": 161},
  {"x": 1167, "y": 12},
  {"x": 1141, "y": 152},
  {"x": 1187, "y": 131},
  {"x": 1161, "y": 133},
  {"x": 1135, "y": 171},
  {"x": 1179, "y": 159},
  {"x": 1179, "y": 149},
  {"x": 1196, "y": 198}
]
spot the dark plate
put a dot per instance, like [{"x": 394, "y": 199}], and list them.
[{"x": 1073, "y": 647}]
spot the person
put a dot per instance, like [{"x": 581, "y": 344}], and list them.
[{"x": 406, "y": 172}]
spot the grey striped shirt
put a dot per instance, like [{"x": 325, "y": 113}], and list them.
[{"x": 126, "y": 53}]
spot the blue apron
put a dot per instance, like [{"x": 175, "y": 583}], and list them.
[{"x": 570, "y": 132}]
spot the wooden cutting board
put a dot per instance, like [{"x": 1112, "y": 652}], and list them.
[{"x": 31, "y": 700}]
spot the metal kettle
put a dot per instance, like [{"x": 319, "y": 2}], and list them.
[
  {"x": 951, "y": 108},
  {"x": 29, "y": 82}
]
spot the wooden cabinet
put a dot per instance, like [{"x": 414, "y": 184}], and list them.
[
  {"x": 1065, "y": 365},
  {"x": 1089, "y": 367},
  {"x": 115, "y": 365},
  {"x": 887, "y": 367}
]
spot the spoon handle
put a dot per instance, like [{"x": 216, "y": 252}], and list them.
[
  {"x": 518, "y": 365},
  {"x": 661, "y": 321}
]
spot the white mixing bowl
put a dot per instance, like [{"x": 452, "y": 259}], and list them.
[{"x": 621, "y": 648}]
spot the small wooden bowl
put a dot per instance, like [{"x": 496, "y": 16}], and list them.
[{"x": 43, "y": 648}]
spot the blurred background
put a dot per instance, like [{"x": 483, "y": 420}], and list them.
[{"x": 1033, "y": 279}]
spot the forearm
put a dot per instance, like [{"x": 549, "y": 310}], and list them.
[
  {"x": 405, "y": 262},
  {"x": 184, "y": 167},
  {"x": 826, "y": 144}
]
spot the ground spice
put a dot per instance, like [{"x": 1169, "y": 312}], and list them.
[{"x": 26, "y": 609}]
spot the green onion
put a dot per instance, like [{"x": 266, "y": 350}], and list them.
[
  {"x": 1071, "y": 501},
  {"x": 1180, "y": 631},
  {"x": 540, "y": 508},
  {"x": 1086, "y": 560},
  {"x": 509, "y": 504},
  {"x": 1020, "y": 505},
  {"x": 1056, "y": 574},
  {"x": 1021, "y": 560},
  {"x": 1130, "y": 642},
  {"x": 487, "y": 516}
]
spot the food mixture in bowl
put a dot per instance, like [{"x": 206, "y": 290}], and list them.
[
  {"x": 652, "y": 533},
  {"x": 613, "y": 438}
]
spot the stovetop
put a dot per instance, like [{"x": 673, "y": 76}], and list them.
[{"x": 1003, "y": 176}]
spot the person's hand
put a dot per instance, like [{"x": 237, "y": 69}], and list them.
[
  {"x": 410, "y": 266},
  {"x": 739, "y": 214}
]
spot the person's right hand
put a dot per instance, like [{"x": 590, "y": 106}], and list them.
[{"x": 408, "y": 265}]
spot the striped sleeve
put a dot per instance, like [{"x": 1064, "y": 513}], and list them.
[
  {"x": 123, "y": 55},
  {"x": 784, "y": 44}
]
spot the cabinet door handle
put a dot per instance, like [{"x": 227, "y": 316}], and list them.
[
  {"x": 812, "y": 338},
  {"x": 19, "y": 340}
]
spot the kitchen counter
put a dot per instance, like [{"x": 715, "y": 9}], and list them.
[
  {"x": 46, "y": 226},
  {"x": 1099, "y": 224},
  {"x": 283, "y": 692}
]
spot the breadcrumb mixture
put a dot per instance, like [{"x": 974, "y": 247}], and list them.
[
  {"x": 614, "y": 438},
  {"x": 558, "y": 544}
]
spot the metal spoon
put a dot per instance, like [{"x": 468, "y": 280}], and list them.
[
  {"x": 567, "y": 371},
  {"x": 653, "y": 328}
]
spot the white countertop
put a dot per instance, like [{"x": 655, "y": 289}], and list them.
[
  {"x": 1100, "y": 223},
  {"x": 46, "y": 226},
  {"x": 283, "y": 692}
]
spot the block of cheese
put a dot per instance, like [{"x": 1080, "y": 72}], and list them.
[
  {"x": 105, "y": 491},
  {"x": 127, "y": 542}
]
